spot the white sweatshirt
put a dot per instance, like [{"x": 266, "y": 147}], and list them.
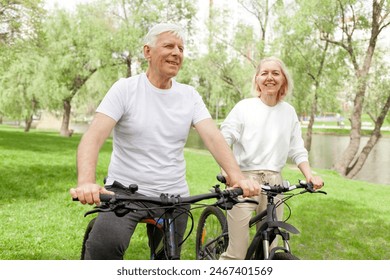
[{"x": 263, "y": 137}]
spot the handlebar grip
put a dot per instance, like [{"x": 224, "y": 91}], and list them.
[
  {"x": 236, "y": 191},
  {"x": 103, "y": 197},
  {"x": 106, "y": 197},
  {"x": 221, "y": 178}
]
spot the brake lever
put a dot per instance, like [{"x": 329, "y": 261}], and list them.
[
  {"x": 323, "y": 192},
  {"x": 117, "y": 207},
  {"x": 311, "y": 190},
  {"x": 96, "y": 210}
]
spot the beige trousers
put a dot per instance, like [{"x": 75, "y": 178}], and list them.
[{"x": 238, "y": 217}]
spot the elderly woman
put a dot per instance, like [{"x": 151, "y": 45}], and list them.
[{"x": 264, "y": 131}]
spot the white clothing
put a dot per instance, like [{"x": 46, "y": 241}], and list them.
[
  {"x": 150, "y": 134},
  {"x": 263, "y": 137}
]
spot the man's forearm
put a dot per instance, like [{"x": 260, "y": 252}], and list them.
[
  {"x": 87, "y": 158},
  {"x": 221, "y": 151}
]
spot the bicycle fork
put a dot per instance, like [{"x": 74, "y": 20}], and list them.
[
  {"x": 267, "y": 251},
  {"x": 274, "y": 229},
  {"x": 170, "y": 237}
]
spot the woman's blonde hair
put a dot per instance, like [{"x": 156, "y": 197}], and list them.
[{"x": 285, "y": 89}]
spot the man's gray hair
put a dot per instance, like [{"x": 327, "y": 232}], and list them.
[{"x": 151, "y": 37}]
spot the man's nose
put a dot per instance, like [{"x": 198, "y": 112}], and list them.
[{"x": 176, "y": 50}]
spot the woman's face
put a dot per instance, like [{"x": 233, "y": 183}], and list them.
[{"x": 270, "y": 79}]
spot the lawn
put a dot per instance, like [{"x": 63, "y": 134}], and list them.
[{"x": 39, "y": 221}]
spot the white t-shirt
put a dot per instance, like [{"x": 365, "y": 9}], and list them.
[
  {"x": 263, "y": 137},
  {"x": 150, "y": 134}
]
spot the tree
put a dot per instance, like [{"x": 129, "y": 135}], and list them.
[
  {"x": 20, "y": 39},
  {"x": 20, "y": 97},
  {"x": 262, "y": 11},
  {"x": 77, "y": 46},
  {"x": 18, "y": 19},
  {"x": 317, "y": 69},
  {"x": 355, "y": 20}
]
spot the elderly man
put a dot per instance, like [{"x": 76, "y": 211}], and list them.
[{"x": 151, "y": 115}]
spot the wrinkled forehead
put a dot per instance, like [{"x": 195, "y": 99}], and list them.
[{"x": 170, "y": 36}]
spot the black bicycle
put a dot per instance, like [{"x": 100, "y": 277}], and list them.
[
  {"x": 212, "y": 232},
  {"x": 163, "y": 241}
]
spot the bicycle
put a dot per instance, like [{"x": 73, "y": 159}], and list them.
[
  {"x": 163, "y": 241},
  {"x": 212, "y": 232}
]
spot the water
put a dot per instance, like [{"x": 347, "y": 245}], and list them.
[{"x": 326, "y": 150}]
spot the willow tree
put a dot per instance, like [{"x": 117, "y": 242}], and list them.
[
  {"x": 20, "y": 27},
  {"x": 20, "y": 84},
  {"x": 76, "y": 47}
]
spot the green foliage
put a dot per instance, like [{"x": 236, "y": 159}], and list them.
[
  {"x": 42, "y": 223},
  {"x": 20, "y": 83},
  {"x": 318, "y": 70}
]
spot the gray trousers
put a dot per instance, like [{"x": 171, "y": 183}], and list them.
[{"x": 110, "y": 236}]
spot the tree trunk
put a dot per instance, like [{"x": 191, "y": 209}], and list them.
[
  {"x": 66, "y": 120},
  {"x": 376, "y": 134},
  {"x": 78, "y": 82},
  {"x": 29, "y": 119},
  {"x": 343, "y": 166},
  {"x": 311, "y": 123},
  {"x": 128, "y": 63},
  {"x": 28, "y": 122}
]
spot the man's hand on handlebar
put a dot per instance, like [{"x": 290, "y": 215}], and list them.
[
  {"x": 250, "y": 187},
  {"x": 88, "y": 193}
]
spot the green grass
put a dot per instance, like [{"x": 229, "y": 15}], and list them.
[{"x": 40, "y": 222}]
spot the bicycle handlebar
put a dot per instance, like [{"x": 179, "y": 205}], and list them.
[
  {"x": 285, "y": 187},
  {"x": 166, "y": 199},
  {"x": 226, "y": 198}
]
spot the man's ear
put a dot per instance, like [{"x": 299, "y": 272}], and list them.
[{"x": 146, "y": 52}]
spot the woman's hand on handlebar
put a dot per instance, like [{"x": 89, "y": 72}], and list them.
[
  {"x": 88, "y": 193},
  {"x": 317, "y": 182}
]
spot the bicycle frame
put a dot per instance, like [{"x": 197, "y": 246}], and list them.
[
  {"x": 267, "y": 231},
  {"x": 268, "y": 227}
]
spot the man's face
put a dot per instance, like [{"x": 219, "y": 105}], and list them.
[{"x": 166, "y": 56}]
